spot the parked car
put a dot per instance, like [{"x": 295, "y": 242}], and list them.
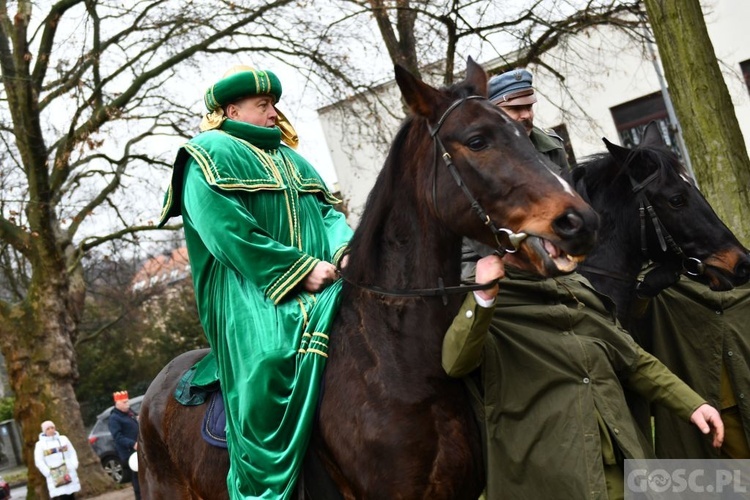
[
  {"x": 4, "y": 489},
  {"x": 104, "y": 445}
]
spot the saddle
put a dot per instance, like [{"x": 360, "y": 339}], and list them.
[
  {"x": 190, "y": 393},
  {"x": 214, "y": 427}
]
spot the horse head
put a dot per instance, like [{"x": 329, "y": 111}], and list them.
[
  {"x": 484, "y": 180},
  {"x": 649, "y": 203}
]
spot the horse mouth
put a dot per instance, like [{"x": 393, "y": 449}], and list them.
[
  {"x": 554, "y": 260},
  {"x": 718, "y": 280}
]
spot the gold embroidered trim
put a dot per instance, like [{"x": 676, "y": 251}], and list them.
[
  {"x": 291, "y": 277},
  {"x": 305, "y": 319},
  {"x": 338, "y": 254},
  {"x": 167, "y": 203},
  {"x": 210, "y": 171},
  {"x": 269, "y": 163},
  {"x": 213, "y": 103},
  {"x": 309, "y": 340}
]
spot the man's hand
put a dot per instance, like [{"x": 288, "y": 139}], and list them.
[
  {"x": 707, "y": 418},
  {"x": 489, "y": 269},
  {"x": 320, "y": 277}
]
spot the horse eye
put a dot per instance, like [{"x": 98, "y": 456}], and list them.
[
  {"x": 677, "y": 201},
  {"x": 477, "y": 143}
]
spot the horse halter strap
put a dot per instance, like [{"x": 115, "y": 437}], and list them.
[
  {"x": 690, "y": 265},
  {"x": 439, "y": 291},
  {"x": 512, "y": 240}
]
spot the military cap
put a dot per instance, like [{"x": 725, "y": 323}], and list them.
[{"x": 512, "y": 88}]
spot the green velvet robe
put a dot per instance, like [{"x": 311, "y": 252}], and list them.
[{"x": 257, "y": 219}]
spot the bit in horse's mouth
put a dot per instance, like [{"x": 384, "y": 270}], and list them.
[{"x": 554, "y": 258}]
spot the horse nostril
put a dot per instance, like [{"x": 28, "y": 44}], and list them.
[
  {"x": 742, "y": 269},
  {"x": 568, "y": 224}
]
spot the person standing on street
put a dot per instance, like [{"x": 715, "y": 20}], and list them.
[
  {"x": 123, "y": 425},
  {"x": 57, "y": 460}
]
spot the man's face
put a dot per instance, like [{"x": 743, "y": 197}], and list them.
[
  {"x": 522, "y": 114},
  {"x": 256, "y": 110},
  {"x": 123, "y": 405}
]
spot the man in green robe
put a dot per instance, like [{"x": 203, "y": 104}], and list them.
[
  {"x": 263, "y": 239},
  {"x": 702, "y": 336},
  {"x": 552, "y": 362}
]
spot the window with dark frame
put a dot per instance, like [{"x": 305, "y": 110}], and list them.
[
  {"x": 562, "y": 131},
  {"x": 745, "y": 67},
  {"x": 632, "y": 117}
]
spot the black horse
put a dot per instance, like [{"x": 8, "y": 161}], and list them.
[
  {"x": 391, "y": 423},
  {"x": 651, "y": 211}
]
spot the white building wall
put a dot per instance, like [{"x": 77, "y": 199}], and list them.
[{"x": 602, "y": 69}]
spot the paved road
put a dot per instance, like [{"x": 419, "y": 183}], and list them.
[{"x": 19, "y": 493}]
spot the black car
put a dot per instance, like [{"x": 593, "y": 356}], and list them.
[{"x": 104, "y": 445}]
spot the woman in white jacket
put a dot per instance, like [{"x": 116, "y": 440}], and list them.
[{"x": 56, "y": 459}]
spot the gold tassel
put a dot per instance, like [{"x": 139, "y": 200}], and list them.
[
  {"x": 288, "y": 134},
  {"x": 213, "y": 120}
]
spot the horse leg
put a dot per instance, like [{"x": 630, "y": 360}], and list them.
[
  {"x": 172, "y": 456},
  {"x": 322, "y": 479},
  {"x": 158, "y": 478},
  {"x": 202, "y": 467}
]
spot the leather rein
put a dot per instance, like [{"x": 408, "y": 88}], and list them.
[
  {"x": 690, "y": 265},
  {"x": 507, "y": 240}
]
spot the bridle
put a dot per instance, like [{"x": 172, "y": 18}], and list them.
[
  {"x": 690, "y": 265},
  {"x": 512, "y": 240},
  {"x": 507, "y": 240}
]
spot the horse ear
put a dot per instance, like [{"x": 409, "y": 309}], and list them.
[
  {"x": 619, "y": 153},
  {"x": 652, "y": 136},
  {"x": 420, "y": 97},
  {"x": 476, "y": 76}
]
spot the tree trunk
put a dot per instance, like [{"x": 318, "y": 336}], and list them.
[
  {"x": 38, "y": 346},
  {"x": 705, "y": 110}
]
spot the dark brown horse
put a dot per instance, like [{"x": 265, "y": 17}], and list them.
[
  {"x": 391, "y": 423},
  {"x": 651, "y": 211}
]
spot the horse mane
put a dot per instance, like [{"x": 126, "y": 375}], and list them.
[
  {"x": 381, "y": 220},
  {"x": 365, "y": 245},
  {"x": 598, "y": 168}
]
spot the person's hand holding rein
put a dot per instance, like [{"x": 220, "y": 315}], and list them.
[
  {"x": 489, "y": 269},
  {"x": 322, "y": 275}
]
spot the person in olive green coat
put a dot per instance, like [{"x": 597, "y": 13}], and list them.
[
  {"x": 552, "y": 360},
  {"x": 702, "y": 336}
]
